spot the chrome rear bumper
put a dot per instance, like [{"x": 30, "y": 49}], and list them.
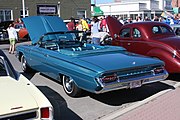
[{"x": 122, "y": 84}]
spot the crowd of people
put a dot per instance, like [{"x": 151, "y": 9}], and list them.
[
  {"x": 138, "y": 19},
  {"x": 169, "y": 19},
  {"x": 97, "y": 28}
]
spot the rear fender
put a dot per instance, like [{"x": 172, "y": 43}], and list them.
[
  {"x": 165, "y": 56},
  {"x": 160, "y": 54},
  {"x": 81, "y": 82}
]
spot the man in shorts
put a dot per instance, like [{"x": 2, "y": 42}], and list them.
[{"x": 12, "y": 38}]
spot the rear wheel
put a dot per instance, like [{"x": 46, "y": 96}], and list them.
[
  {"x": 24, "y": 65},
  {"x": 70, "y": 87}
]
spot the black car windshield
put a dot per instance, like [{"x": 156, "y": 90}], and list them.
[
  {"x": 60, "y": 39},
  {"x": 5, "y": 69},
  {"x": 19, "y": 26}
]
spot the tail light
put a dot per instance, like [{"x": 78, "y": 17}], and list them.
[
  {"x": 158, "y": 70},
  {"x": 109, "y": 78},
  {"x": 46, "y": 113}
]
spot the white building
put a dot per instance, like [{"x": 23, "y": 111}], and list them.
[{"x": 132, "y": 8}]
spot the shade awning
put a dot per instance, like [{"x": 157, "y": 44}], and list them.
[{"x": 97, "y": 11}]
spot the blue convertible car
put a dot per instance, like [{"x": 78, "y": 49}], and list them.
[{"x": 57, "y": 53}]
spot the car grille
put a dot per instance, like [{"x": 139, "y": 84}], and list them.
[{"x": 25, "y": 116}]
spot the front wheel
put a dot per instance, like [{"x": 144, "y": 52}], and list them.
[
  {"x": 24, "y": 65},
  {"x": 70, "y": 87}
]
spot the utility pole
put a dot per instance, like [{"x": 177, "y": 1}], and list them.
[
  {"x": 59, "y": 9},
  {"x": 23, "y": 7}
]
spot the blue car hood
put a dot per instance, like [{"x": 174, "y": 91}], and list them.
[{"x": 40, "y": 25}]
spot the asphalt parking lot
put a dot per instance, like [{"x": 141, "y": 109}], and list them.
[{"x": 90, "y": 106}]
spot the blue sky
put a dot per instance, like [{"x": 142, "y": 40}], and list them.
[{"x": 101, "y": 1}]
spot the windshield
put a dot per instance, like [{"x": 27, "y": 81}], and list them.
[
  {"x": 59, "y": 40},
  {"x": 5, "y": 69},
  {"x": 19, "y": 26},
  {"x": 59, "y": 37}
]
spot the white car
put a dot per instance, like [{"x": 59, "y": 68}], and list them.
[{"x": 19, "y": 98}]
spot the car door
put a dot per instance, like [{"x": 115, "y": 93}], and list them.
[
  {"x": 125, "y": 38},
  {"x": 53, "y": 63},
  {"x": 52, "y": 59},
  {"x": 114, "y": 27},
  {"x": 37, "y": 58},
  {"x": 135, "y": 42}
]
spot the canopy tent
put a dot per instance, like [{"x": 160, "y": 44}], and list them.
[{"x": 97, "y": 11}]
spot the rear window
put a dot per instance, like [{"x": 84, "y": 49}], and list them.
[{"x": 161, "y": 30}]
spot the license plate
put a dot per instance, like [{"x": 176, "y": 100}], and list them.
[{"x": 135, "y": 84}]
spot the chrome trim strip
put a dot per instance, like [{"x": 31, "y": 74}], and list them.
[{"x": 20, "y": 113}]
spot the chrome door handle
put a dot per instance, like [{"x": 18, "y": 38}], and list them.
[
  {"x": 46, "y": 55},
  {"x": 129, "y": 44}
]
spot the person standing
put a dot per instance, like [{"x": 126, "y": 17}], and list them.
[
  {"x": 12, "y": 38},
  {"x": 129, "y": 20},
  {"x": 147, "y": 18},
  {"x": 156, "y": 18},
  {"x": 95, "y": 29},
  {"x": 79, "y": 28},
  {"x": 95, "y": 25},
  {"x": 71, "y": 25},
  {"x": 103, "y": 24},
  {"x": 84, "y": 24}
]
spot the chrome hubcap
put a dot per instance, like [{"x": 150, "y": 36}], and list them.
[
  {"x": 23, "y": 64},
  {"x": 69, "y": 84}
]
